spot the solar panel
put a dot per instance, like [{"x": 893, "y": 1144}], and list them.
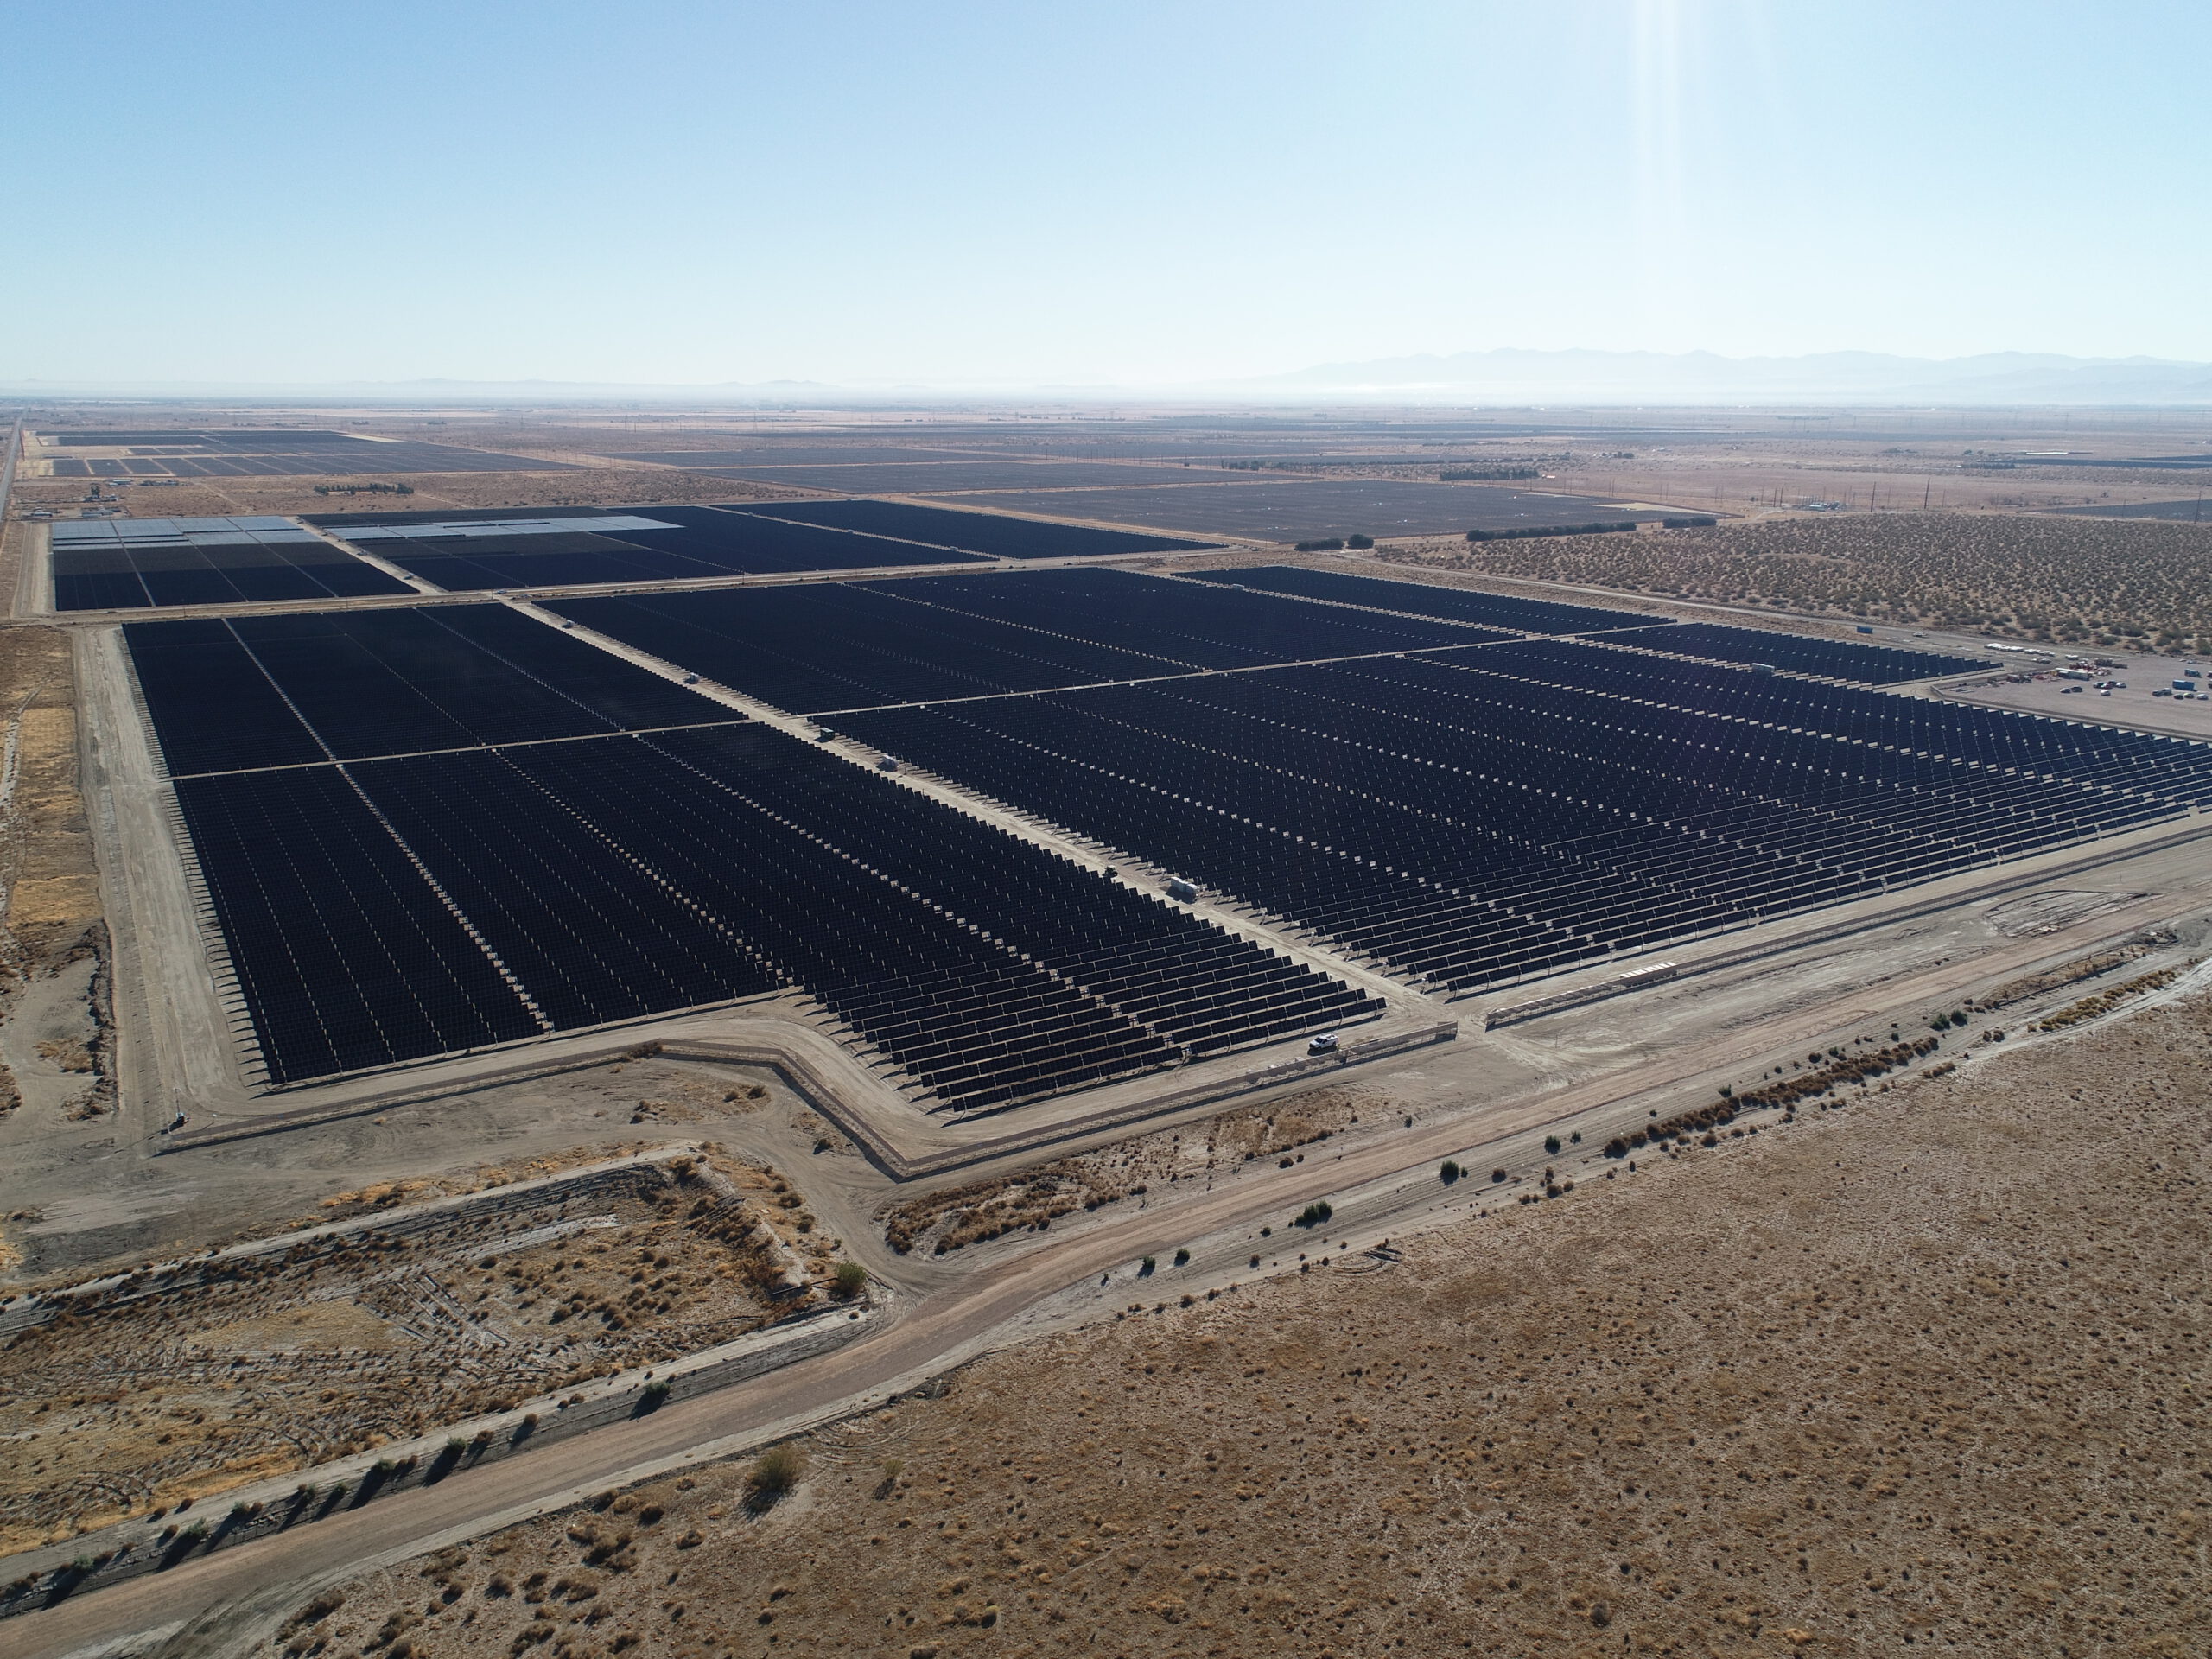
[
  {"x": 994, "y": 535},
  {"x": 1429, "y": 599}
]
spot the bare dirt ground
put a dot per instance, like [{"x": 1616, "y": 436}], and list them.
[
  {"x": 2078, "y": 582},
  {"x": 188, "y": 1380},
  {"x": 598, "y": 486},
  {"x": 1924, "y": 1372},
  {"x": 952, "y": 1218}
]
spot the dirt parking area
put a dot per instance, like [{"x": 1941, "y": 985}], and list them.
[{"x": 1923, "y": 1370}]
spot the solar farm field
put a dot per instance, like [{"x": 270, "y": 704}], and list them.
[
  {"x": 254, "y": 691},
  {"x": 578, "y": 547},
  {"x": 762, "y": 455},
  {"x": 2190, "y": 512},
  {"x": 137, "y": 563},
  {"x": 550, "y": 838},
  {"x": 947, "y": 474},
  {"x": 1834, "y": 659},
  {"x": 268, "y": 454},
  {"x": 825, "y": 646},
  {"x": 994, "y": 535},
  {"x": 1427, "y": 599},
  {"x": 1298, "y": 512},
  {"x": 582, "y": 546},
  {"x": 1479, "y": 815}
]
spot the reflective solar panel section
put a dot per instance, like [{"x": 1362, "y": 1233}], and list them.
[
  {"x": 276, "y": 690},
  {"x": 991, "y": 533},
  {"x": 1426, "y": 599},
  {"x": 1832, "y": 659},
  {"x": 137, "y": 564},
  {"x": 582, "y": 547},
  {"x": 1480, "y": 815},
  {"x": 822, "y": 647}
]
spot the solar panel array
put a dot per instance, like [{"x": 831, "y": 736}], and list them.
[
  {"x": 273, "y": 454},
  {"x": 279, "y": 690},
  {"x": 991, "y": 534},
  {"x": 387, "y": 909},
  {"x": 1798, "y": 653},
  {"x": 1426, "y": 599},
  {"x": 579, "y": 546},
  {"x": 133, "y": 563},
  {"x": 1476, "y": 815},
  {"x": 570, "y": 547},
  {"x": 832, "y": 645}
]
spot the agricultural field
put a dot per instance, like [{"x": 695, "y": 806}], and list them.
[{"x": 2066, "y": 581}]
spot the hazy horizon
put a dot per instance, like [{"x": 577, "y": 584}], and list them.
[{"x": 243, "y": 193}]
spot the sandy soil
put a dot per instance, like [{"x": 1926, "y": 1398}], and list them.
[{"x": 1925, "y": 1371}]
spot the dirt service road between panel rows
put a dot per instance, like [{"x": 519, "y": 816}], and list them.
[{"x": 936, "y": 1333}]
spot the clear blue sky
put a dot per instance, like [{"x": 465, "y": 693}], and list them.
[{"x": 666, "y": 191}]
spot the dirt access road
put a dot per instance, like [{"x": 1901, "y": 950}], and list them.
[{"x": 234, "y": 1591}]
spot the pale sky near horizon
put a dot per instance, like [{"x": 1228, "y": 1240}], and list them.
[{"x": 666, "y": 191}]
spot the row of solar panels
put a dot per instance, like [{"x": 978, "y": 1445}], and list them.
[{"x": 388, "y": 909}]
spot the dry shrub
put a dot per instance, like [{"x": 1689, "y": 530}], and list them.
[{"x": 2028, "y": 576}]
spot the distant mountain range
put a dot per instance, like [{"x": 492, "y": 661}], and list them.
[
  {"x": 1510, "y": 377},
  {"x": 1586, "y": 377}
]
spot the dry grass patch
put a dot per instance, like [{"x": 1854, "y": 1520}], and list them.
[
  {"x": 1927, "y": 1373},
  {"x": 952, "y": 1219},
  {"x": 189, "y": 1381}
]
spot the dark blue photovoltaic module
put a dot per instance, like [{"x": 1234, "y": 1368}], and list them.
[
  {"x": 1798, "y": 653},
  {"x": 277, "y": 690},
  {"x": 994, "y": 535},
  {"x": 1476, "y": 815},
  {"x": 1429, "y": 599}
]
